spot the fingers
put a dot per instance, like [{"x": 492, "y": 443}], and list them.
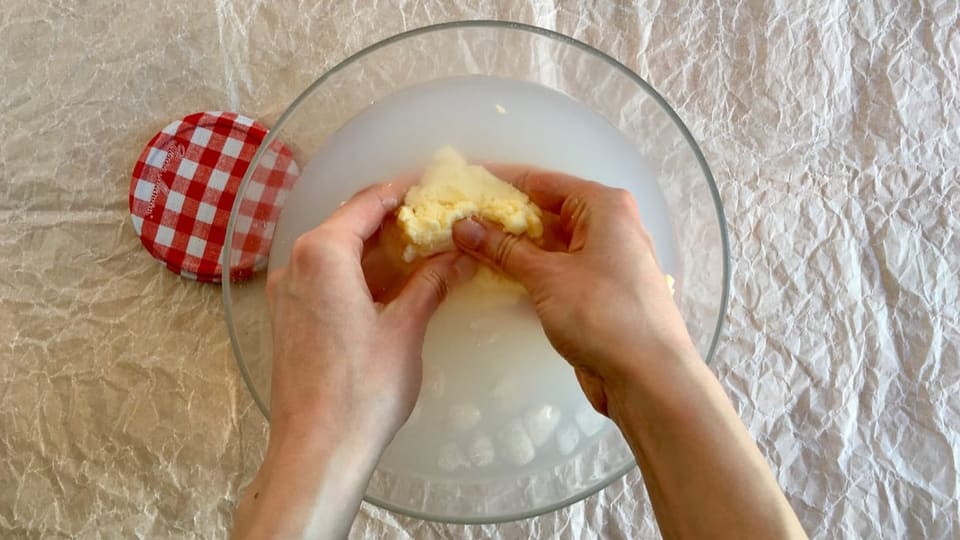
[
  {"x": 363, "y": 213},
  {"x": 383, "y": 276},
  {"x": 382, "y": 263},
  {"x": 515, "y": 256},
  {"x": 547, "y": 189},
  {"x": 427, "y": 287},
  {"x": 555, "y": 236},
  {"x": 348, "y": 228}
]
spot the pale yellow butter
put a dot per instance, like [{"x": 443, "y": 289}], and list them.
[{"x": 452, "y": 189}]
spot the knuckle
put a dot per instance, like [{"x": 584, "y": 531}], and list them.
[
  {"x": 504, "y": 250},
  {"x": 303, "y": 252},
  {"x": 525, "y": 181},
  {"x": 310, "y": 250},
  {"x": 435, "y": 282},
  {"x": 573, "y": 211},
  {"x": 623, "y": 198}
]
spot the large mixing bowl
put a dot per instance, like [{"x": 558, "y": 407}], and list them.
[{"x": 621, "y": 100}]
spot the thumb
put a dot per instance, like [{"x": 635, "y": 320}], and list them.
[
  {"x": 428, "y": 286},
  {"x": 513, "y": 255}
]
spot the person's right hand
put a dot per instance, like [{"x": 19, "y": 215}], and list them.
[
  {"x": 605, "y": 307},
  {"x": 596, "y": 285}
]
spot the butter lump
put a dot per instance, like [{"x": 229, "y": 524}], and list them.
[{"x": 452, "y": 189}]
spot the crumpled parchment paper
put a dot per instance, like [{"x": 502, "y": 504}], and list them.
[{"x": 833, "y": 129}]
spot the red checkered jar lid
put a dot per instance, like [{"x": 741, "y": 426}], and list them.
[{"x": 184, "y": 186}]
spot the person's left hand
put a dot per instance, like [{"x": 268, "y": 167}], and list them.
[
  {"x": 349, "y": 320},
  {"x": 345, "y": 357}
]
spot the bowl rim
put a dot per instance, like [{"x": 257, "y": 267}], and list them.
[{"x": 508, "y": 25}]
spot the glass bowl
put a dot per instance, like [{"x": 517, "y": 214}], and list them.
[{"x": 695, "y": 234}]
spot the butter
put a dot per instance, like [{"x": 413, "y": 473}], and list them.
[{"x": 452, "y": 189}]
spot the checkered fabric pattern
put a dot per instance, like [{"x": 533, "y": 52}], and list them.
[{"x": 184, "y": 186}]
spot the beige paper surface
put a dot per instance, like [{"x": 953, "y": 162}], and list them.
[{"x": 833, "y": 130}]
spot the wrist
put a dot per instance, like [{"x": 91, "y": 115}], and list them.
[
  {"x": 328, "y": 425},
  {"x": 655, "y": 380},
  {"x": 295, "y": 439},
  {"x": 310, "y": 484}
]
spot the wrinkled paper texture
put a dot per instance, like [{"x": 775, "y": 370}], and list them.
[{"x": 833, "y": 130}]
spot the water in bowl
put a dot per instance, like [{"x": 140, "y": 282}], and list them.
[{"x": 497, "y": 400}]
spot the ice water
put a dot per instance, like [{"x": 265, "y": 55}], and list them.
[{"x": 496, "y": 398}]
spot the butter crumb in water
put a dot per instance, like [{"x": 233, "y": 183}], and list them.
[
  {"x": 452, "y": 189},
  {"x": 670, "y": 284}
]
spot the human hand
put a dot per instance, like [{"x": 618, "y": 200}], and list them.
[
  {"x": 348, "y": 325},
  {"x": 594, "y": 281},
  {"x": 603, "y": 303},
  {"x": 349, "y": 319}
]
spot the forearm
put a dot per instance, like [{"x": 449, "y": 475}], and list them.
[
  {"x": 307, "y": 487},
  {"x": 705, "y": 475}
]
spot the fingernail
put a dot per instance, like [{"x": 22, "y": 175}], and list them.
[
  {"x": 468, "y": 233},
  {"x": 390, "y": 203}
]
